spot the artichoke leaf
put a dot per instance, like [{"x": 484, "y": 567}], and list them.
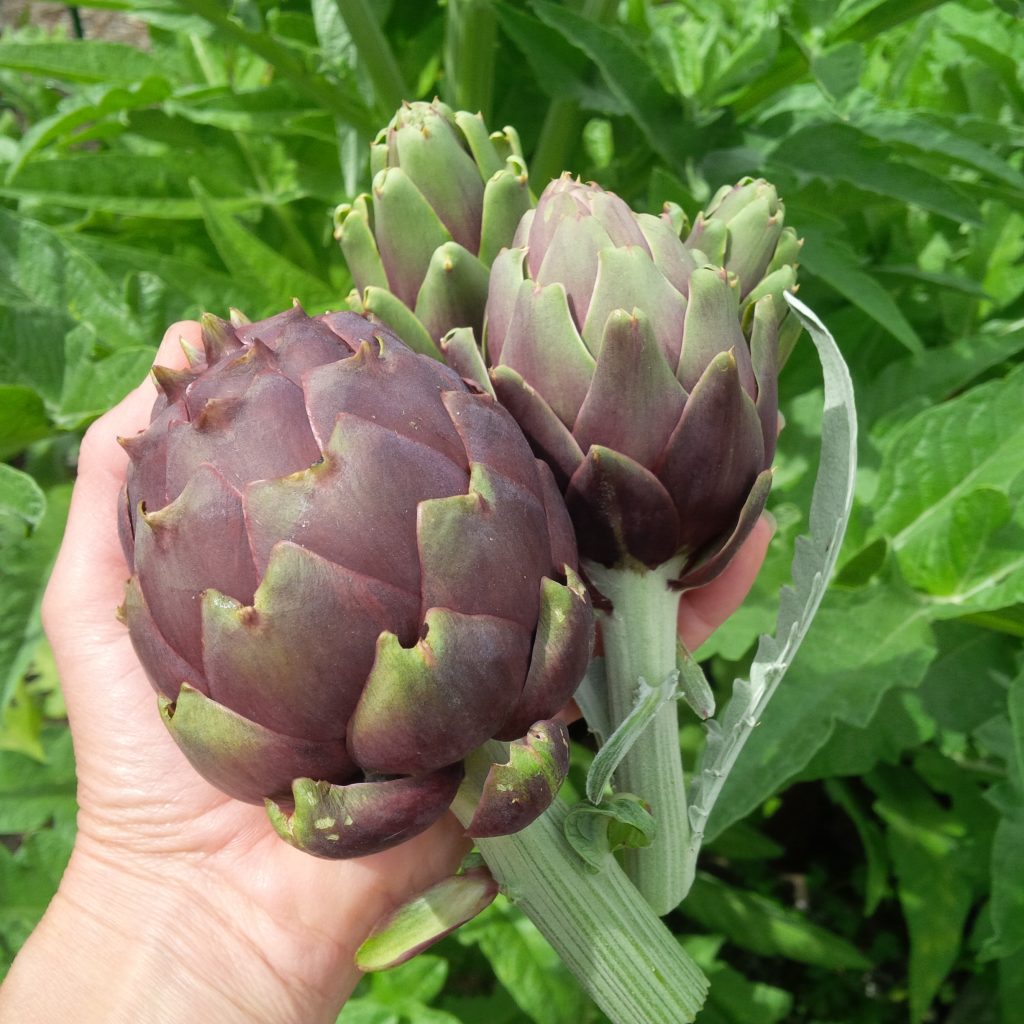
[
  {"x": 516, "y": 793},
  {"x": 355, "y": 820}
]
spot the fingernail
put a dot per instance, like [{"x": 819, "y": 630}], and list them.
[{"x": 771, "y": 521}]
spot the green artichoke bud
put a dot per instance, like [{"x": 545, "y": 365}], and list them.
[
  {"x": 631, "y": 370},
  {"x": 349, "y": 572},
  {"x": 742, "y": 230},
  {"x": 446, "y": 198}
]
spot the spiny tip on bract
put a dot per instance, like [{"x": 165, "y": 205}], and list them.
[
  {"x": 218, "y": 337},
  {"x": 172, "y": 382}
]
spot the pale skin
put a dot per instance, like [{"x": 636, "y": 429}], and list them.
[{"x": 180, "y": 904}]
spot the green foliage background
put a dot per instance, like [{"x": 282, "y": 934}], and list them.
[{"x": 868, "y": 860}]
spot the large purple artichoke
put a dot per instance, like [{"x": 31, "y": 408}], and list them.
[
  {"x": 347, "y": 575},
  {"x": 638, "y": 374}
]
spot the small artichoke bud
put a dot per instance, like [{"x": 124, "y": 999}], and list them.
[{"x": 447, "y": 196}]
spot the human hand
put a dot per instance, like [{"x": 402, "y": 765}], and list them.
[{"x": 179, "y": 902}]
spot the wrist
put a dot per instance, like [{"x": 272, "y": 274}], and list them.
[{"x": 136, "y": 941}]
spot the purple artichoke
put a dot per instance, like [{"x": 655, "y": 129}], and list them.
[
  {"x": 637, "y": 375},
  {"x": 349, "y": 572}
]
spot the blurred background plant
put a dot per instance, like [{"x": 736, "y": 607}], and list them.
[{"x": 868, "y": 860}]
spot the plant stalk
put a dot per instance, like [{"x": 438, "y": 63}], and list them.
[
  {"x": 375, "y": 54},
  {"x": 623, "y": 956},
  {"x": 471, "y": 33},
  {"x": 561, "y": 128},
  {"x": 639, "y": 637}
]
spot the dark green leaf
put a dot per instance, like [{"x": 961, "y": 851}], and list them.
[{"x": 759, "y": 924}]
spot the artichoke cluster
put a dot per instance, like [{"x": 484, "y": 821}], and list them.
[
  {"x": 352, "y": 564},
  {"x": 349, "y": 572}
]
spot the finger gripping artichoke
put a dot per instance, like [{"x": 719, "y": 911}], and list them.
[{"x": 348, "y": 572}]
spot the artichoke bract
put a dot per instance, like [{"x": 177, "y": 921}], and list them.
[
  {"x": 638, "y": 375},
  {"x": 447, "y": 196},
  {"x": 349, "y": 572}
]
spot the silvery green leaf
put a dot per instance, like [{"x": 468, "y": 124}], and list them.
[
  {"x": 649, "y": 701},
  {"x": 595, "y": 832},
  {"x": 813, "y": 564}
]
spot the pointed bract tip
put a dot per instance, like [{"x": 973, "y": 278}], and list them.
[
  {"x": 192, "y": 354},
  {"x": 173, "y": 383},
  {"x": 238, "y": 318},
  {"x": 218, "y": 337}
]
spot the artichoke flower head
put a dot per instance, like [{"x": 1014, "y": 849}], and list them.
[
  {"x": 348, "y": 572},
  {"x": 644, "y": 373},
  {"x": 446, "y": 198}
]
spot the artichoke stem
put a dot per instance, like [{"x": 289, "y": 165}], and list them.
[
  {"x": 622, "y": 955},
  {"x": 639, "y": 637}
]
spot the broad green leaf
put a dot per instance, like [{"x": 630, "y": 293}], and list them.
[
  {"x": 732, "y": 998},
  {"x": 559, "y": 65},
  {"x": 255, "y": 265},
  {"x": 927, "y": 133},
  {"x": 838, "y": 677},
  {"x": 420, "y": 980},
  {"x": 50, "y": 277},
  {"x": 947, "y": 492},
  {"x": 840, "y": 267},
  {"x": 130, "y": 185},
  {"x": 274, "y": 110},
  {"x": 658, "y": 115},
  {"x": 876, "y": 883},
  {"x": 838, "y": 153},
  {"x": 754, "y": 922},
  {"x": 23, "y": 419},
  {"x": 743, "y": 841},
  {"x": 815, "y": 558},
  {"x": 927, "y": 378},
  {"x": 1007, "y": 904},
  {"x": 28, "y": 880},
  {"x": 934, "y": 890},
  {"x": 83, "y": 111},
  {"x": 191, "y": 285},
  {"x": 22, "y": 504},
  {"x": 973, "y": 560},
  {"x": 26, "y": 566},
  {"x": 1011, "y": 986},
  {"x": 92, "y": 387},
  {"x": 525, "y": 964},
  {"x": 898, "y": 724},
  {"x": 33, "y": 793},
  {"x": 838, "y": 69},
  {"x": 90, "y": 60},
  {"x": 963, "y": 686},
  {"x": 363, "y": 1010}
]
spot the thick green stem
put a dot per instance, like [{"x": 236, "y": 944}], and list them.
[
  {"x": 623, "y": 956},
  {"x": 561, "y": 128},
  {"x": 375, "y": 53},
  {"x": 471, "y": 33},
  {"x": 639, "y": 637},
  {"x": 558, "y": 135}
]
